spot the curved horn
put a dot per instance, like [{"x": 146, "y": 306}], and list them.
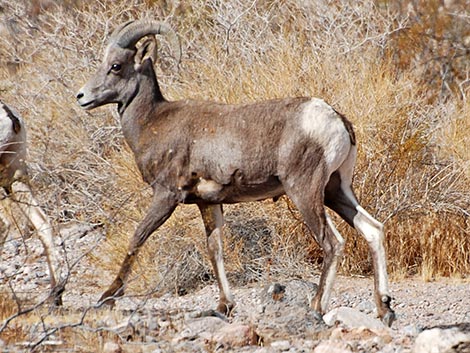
[
  {"x": 129, "y": 33},
  {"x": 114, "y": 36}
]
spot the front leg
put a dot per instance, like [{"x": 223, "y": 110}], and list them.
[
  {"x": 213, "y": 222},
  {"x": 163, "y": 204}
]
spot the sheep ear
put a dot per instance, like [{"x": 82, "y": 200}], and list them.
[{"x": 147, "y": 50}]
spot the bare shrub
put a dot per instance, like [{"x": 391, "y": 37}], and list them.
[{"x": 435, "y": 44}]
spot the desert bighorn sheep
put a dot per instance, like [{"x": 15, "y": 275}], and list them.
[
  {"x": 207, "y": 154},
  {"x": 14, "y": 180}
]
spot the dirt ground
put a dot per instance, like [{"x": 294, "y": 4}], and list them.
[{"x": 171, "y": 323}]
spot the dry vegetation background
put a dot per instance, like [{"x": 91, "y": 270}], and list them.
[{"x": 398, "y": 69}]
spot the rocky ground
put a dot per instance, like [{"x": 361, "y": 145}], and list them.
[{"x": 269, "y": 317}]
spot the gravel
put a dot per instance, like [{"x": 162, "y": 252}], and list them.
[{"x": 282, "y": 325}]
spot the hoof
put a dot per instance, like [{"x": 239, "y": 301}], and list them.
[
  {"x": 225, "y": 308},
  {"x": 385, "y": 311},
  {"x": 107, "y": 301},
  {"x": 320, "y": 323},
  {"x": 55, "y": 301},
  {"x": 58, "y": 301},
  {"x": 318, "y": 316},
  {"x": 389, "y": 318},
  {"x": 212, "y": 313},
  {"x": 109, "y": 297},
  {"x": 56, "y": 294}
]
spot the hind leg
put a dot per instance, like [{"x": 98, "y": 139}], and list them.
[
  {"x": 24, "y": 198},
  {"x": 309, "y": 201},
  {"x": 6, "y": 223},
  {"x": 340, "y": 197},
  {"x": 333, "y": 246}
]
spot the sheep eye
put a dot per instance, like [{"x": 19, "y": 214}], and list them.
[{"x": 116, "y": 67}]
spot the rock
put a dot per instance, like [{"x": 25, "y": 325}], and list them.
[
  {"x": 212, "y": 329},
  {"x": 108, "y": 320},
  {"x": 361, "y": 334},
  {"x": 281, "y": 345},
  {"x": 151, "y": 348},
  {"x": 352, "y": 318},
  {"x": 366, "y": 306},
  {"x": 112, "y": 347},
  {"x": 295, "y": 292},
  {"x": 149, "y": 339},
  {"x": 276, "y": 291},
  {"x": 26, "y": 270},
  {"x": 202, "y": 327},
  {"x": 439, "y": 340},
  {"x": 411, "y": 330},
  {"x": 308, "y": 345},
  {"x": 467, "y": 317},
  {"x": 332, "y": 347},
  {"x": 152, "y": 324},
  {"x": 263, "y": 350},
  {"x": 236, "y": 335}
]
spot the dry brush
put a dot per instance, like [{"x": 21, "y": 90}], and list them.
[{"x": 414, "y": 161}]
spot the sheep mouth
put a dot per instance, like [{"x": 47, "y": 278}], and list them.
[{"x": 87, "y": 105}]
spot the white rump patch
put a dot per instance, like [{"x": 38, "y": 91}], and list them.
[
  {"x": 6, "y": 130},
  {"x": 8, "y": 138},
  {"x": 326, "y": 127}
]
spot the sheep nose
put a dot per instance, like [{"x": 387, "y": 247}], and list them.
[{"x": 79, "y": 95}]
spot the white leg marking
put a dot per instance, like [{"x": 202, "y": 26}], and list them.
[
  {"x": 6, "y": 222},
  {"x": 219, "y": 257},
  {"x": 331, "y": 276},
  {"x": 29, "y": 206},
  {"x": 372, "y": 231},
  {"x": 220, "y": 265},
  {"x": 337, "y": 234}
]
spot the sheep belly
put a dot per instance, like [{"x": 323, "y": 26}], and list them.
[{"x": 211, "y": 191}]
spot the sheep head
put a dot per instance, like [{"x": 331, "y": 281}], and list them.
[{"x": 118, "y": 76}]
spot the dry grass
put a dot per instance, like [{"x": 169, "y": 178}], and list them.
[
  {"x": 43, "y": 330},
  {"x": 363, "y": 57},
  {"x": 415, "y": 152}
]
